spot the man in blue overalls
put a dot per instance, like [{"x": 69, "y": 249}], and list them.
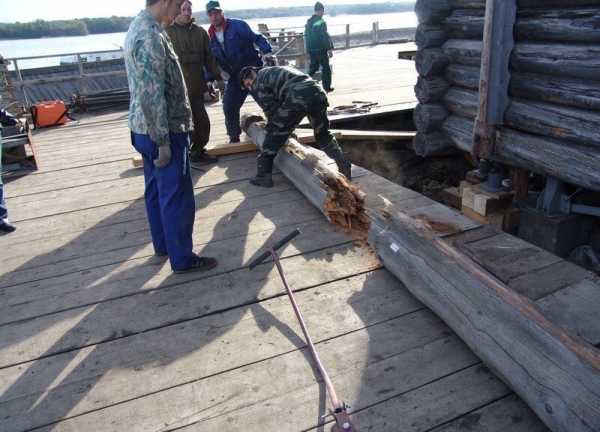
[
  {"x": 5, "y": 226},
  {"x": 233, "y": 44},
  {"x": 160, "y": 119}
]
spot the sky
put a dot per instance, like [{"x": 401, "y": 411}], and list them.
[{"x": 29, "y": 10}]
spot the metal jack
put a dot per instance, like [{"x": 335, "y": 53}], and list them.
[
  {"x": 339, "y": 409},
  {"x": 554, "y": 200}
]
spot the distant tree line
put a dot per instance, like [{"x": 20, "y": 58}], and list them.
[{"x": 86, "y": 26}]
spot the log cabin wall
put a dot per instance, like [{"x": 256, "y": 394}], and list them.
[{"x": 552, "y": 123}]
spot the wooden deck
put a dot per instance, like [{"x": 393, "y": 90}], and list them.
[{"x": 99, "y": 335}]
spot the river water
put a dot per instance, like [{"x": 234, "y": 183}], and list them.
[{"x": 111, "y": 41}]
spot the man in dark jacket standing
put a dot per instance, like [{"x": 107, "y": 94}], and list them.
[
  {"x": 286, "y": 97},
  {"x": 319, "y": 46},
  {"x": 192, "y": 46},
  {"x": 233, "y": 45}
]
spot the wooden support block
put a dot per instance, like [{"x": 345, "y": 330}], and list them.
[
  {"x": 137, "y": 162},
  {"x": 483, "y": 202},
  {"x": 452, "y": 197},
  {"x": 230, "y": 149},
  {"x": 495, "y": 219}
]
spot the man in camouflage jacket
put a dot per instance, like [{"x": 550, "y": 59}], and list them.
[
  {"x": 160, "y": 120},
  {"x": 286, "y": 97}
]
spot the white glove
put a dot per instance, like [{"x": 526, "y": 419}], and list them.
[
  {"x": 164, "y": 156},
  {"x": 225, "y": 76}
]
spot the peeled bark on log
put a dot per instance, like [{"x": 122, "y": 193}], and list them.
[
  {"x": 342, "y": 202},
  {"x": 576, "y": 61},
  {"x": 571, "y": 163},
  {"x": 430, "y": 90},
  {"x": 430, "y": 36},
  {"x": 432, "y": 144},
  {"x": 569, "y": 92},
  {"x": 462, "y": 102},
  {"x": 463, "y": 76},
  {"x": 429, "y": 117},
  {"x": 557, "y": 374},
  {"x": 463, "y": 51},
  {"x": 431, "y": 11},
  {"x": 563, "y": 25},
  {"x": 430, "y": 62},
  {"x": 569, "y": 124}
]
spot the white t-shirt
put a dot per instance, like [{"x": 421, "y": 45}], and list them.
[{"x": 221, "y": 38}]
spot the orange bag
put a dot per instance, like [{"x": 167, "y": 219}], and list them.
[{"x": 46, "y": 114}]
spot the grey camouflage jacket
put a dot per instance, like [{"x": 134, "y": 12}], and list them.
[{"x": 159, "y": 99}]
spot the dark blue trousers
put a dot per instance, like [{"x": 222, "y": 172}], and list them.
[
  {"x": 3, "y": 210},
  {"x": 170, "y": 200},
  {"x": 233, "y": 99}
]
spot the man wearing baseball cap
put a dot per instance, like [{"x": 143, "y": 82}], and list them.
[{"x": 233, "y": 44}]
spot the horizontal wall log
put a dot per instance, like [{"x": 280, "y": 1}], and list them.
[
  {"x": 429, "y": 117},
  {"x": 561, "y": 26},
  {"x": 462, "y": 102},
  {"x": 467, "y": 4},
  {"x": 576, "y": 61},
  {"x": 463, "y": 76},
  {"x": 431, "y": 11},
  {"x": 569, "y": 124},
  {"x": 569, "y": 92},
  {"x": 430, "y": 36},
  {"x": 429, "y": 90},
  {"x": 433, "y": 144},
  {"x": 430, "y": 62},
  {"x": 463, "y": 51},
  {"x": 557, "y": 374},
  {"x": 568, "y": 162},
  {"x": 544, "y": 4}
]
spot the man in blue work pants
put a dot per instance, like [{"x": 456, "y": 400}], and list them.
[
  {"x": 5, "y": 226},
  {"x": 233, "y": 45},
  {"x": 170, "y": 200}
]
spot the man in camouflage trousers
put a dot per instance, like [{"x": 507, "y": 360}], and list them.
[{"x": 286, "y": 97}]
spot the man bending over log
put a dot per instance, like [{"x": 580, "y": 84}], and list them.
[{"x": 286, "y": 97}]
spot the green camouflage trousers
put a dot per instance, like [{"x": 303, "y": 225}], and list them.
[{"x": 306, "y": 102}]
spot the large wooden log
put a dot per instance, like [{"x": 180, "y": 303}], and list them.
[
  {"x": 465, "y": 24},
  {"x": 576, "y": 61},
  {"x": 571, "y": 163},
  {"x": 459, "y": 130},
  {"x": 569, "y": 92},
  {"x": 569, "y": 124},
  {"x": 467, "y": 4},
  {"x": 557, "y": 374},
  {"x": 431, "y": 11},
  {"x": 433, "y": 144},
  {"x": 429, "y": 117},
  {"x": 339, "y": 200},
  {"x": 429, "y": 90},
  {"x": 430, "y": 62},
  {"x": 463, "y": 51},
  {"x": 563, "y": 25},
  {"x": 430, "y": 36},
  {"x": 544, "y": 4},
  {"x": 463, "y": 76},
  {"x": 462, "y": 102}
]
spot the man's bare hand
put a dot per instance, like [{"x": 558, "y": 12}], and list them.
[
  {"x": 164, "y": 156},
  {"x": 330, "y": 53}
]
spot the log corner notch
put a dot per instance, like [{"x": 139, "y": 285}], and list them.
[
  {"x": 557, "y": 374},
  {"x": 431, "y": 63},
  {"x": 341, "y": 201},
  {"x": 498, "y": 43}
]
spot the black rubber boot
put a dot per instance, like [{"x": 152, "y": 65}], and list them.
[
  {"x": 334, "y": 151},
  {"x": 264, "y": 175}
]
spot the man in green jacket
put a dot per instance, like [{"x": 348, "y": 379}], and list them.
[
  {"x": 319, "y": 46},
  {"x": 192, "y": 45},
  {"x": 286, "y": 97}
]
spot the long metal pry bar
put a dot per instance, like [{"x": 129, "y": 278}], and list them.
[{"x": 340, "y": 409}]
